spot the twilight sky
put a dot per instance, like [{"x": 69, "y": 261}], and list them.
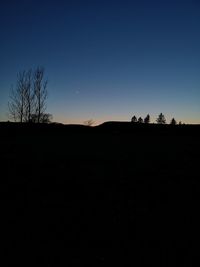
[{"x": 105, "y": 59}]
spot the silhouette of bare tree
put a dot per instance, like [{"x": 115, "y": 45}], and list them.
[
  {"x": 40, "y": 93},
  {"x": 28, "y": 99}
]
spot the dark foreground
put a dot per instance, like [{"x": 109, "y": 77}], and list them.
[{"x": 112, "y": 194}]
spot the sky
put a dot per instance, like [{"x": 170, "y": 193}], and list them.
[{"x": 105, "y": 59}]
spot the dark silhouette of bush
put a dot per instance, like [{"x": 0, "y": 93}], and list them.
[{"x": 44, "y": 118}]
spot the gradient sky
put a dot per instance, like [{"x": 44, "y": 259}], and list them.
[{"x": 105, "y": 59}]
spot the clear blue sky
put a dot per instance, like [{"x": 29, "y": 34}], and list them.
[{"x": 105, "y": 59}]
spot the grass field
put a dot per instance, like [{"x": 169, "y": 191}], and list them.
[{"x": 115, "y": 193}]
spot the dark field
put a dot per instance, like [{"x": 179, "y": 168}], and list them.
[{"x": 116, "y": 193}]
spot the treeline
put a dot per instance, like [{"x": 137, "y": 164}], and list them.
[
  {"x": 28, "y": 98},
  {"x": 160, "y": 119}
]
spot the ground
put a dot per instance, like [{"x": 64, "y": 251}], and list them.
[{"x": 117, "y": 193}]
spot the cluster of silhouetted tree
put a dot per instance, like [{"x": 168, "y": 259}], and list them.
[
  {"x": 140, "y": 119},
  {"x": 160, "y": 119},
  {"x": 28, "y": 98}
]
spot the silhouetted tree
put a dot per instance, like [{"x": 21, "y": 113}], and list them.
[
  {"x": 17, "y": 104},
  {"x": 147, "y": 119},
  {"x": 140, "y": 120},
  {"x": 134, "y": 119},
  {"x": 29, "y": 96},
  {"x": 173, "y": 121},
  {"x": 40, "y": 92},
  {"x": 28, "y": 99},
  {"x": 161, "y": 119}
]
